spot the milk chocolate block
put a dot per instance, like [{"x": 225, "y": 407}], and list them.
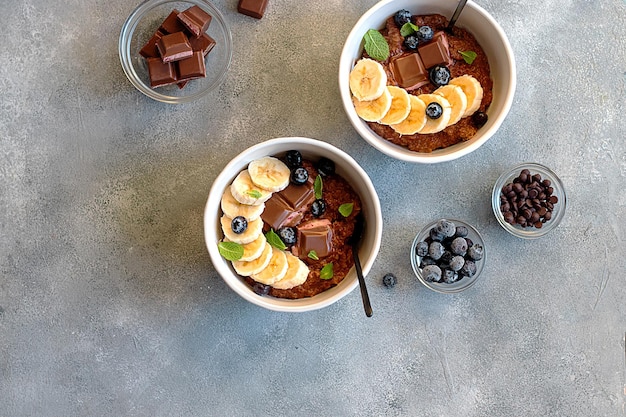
[
  {"x": 195, "y": 20},
  {"x": 191, "y": 68},
  {"x": 315, "y": 235},
  {"x": 409, "y": 71},
  {"x": 174, "y": 47},
  {"x": 253, "y": 8},
  {"x": 204, "y": 43},
  {"x": 150, "y": 49},
  {"x": 436, "y": 51},
  {"x": 171, "y": 24},
  {"x": 161, "y": 73}
]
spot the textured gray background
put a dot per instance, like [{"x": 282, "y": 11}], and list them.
[{"x": 109, "y": 305}]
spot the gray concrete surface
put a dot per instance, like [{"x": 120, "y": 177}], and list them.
[{"x": 109, "y": 305}]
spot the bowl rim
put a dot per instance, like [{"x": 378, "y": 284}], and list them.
[
  {"x": 126, "y": 35},
  {"x": 557, "y": 184},
  {"x": 447, "y": 288},
  {"x": 236, "y": 283},
  {"x": 396, "y": 151}
]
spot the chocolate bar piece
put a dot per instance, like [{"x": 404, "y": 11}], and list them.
[
  {"x": 204, "y": 43},
  {"x": 171, "y": 24},
  {"x": 161, "y": 73},
  {"x": 315, "y": 235},
  {"x": 436, "y": 51},
  {"x": 195, "y": 20},
  {"x": 150, "y": 49},
  {"x": 409, "y": 71},
  {"x": 174, "y": 47},
  {"x": 191, "y": 68},
  {"x": 253, "y": 8}
]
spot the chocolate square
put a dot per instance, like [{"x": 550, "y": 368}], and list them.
[
  {"x": 174, "y": 47},
  {"x": 161, "y": 73},
  {"x": 204, "y": 43},
  {"x": 253, "y": 8},
  {"x": 195, "y": 19},
  {"x": 191, "y": 68},
  {"x": 409, "y": 71},
  {"x": 150, "y": 49},
  {"x": 171, "y": 24},
  {"x": 436, "y": 51},
  {"x": 317, "y": 238}
]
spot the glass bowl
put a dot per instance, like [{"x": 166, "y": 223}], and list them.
[
  {"x": 139, "y": 28},
  {"x": 464, "y": 282},
  {"x": 557, "y": 190}
]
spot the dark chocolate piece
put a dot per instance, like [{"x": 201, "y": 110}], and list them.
[
  {"x": 299, "y": 196},
  {"x": 253, "y": 8},
  {"x": 436, "y": 51},
  {"x": 161, "y": 73},
  {"x": 150, "y": 49},
  {"x": 195, "y": 20},
  {"x": 171, "y": 24},
  {"x": 204, "y": 43},
  {"x": 278, "y": 213},
  {"x": 191, "y": 68},
  {"x": 409, "y": 71},
  {"x": 174, "y": 47},
  {"x": 315, "y": 235}
]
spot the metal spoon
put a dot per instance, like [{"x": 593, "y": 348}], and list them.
[
  {"x": 354, "y": 242},
  {"x": 455, "y": 16}
]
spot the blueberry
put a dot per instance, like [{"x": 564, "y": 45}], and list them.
[
  {"x": 401, "y": 17},
  {"x": 434, "y": 110},
  {"x": 445, "y": 259},
  {"x": 469, "y": 268},
  {"x": 425, "y": 33},
  {"x": 411, "y": 42},
  {"x": 461, "y": 231},
  {"x": 427, "y": 261},
  {"x": 389, "y": 280},
  {"x": 469, "y": 241},
  {"x": 457, "y": 263},
  {"x": 325, "y": 167},
  {"x": 435, "y": 235},
  {"x": 239, "y": 224},
  {"x": 439, "y": 75},
  {"x": 479, "y": 119},
  {"x": 421, "y": 249},
  {"x": 446, "y": 228},
  {"x": 476, "y": 252},
  {"x": 436, "y": 250},
  {"x": 287, "y": 235},
  {"x": 293, "y": 159},
  {"x": 459, "y": 246},
  {"x": 261, "y": 289},
  {"x": 449, "y": 276},
  {"x": 431, "y": 273},
  {"x": 299, "y": 176},
  {"x": 318, "y": 207}
]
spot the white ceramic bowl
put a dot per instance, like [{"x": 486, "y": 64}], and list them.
[
  {"x": 489, "y": 35},
  {"x": 347, "y": 167}
]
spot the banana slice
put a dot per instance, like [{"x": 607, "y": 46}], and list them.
[
  {"x": 435, "y": 125},
  {"x": 473, "y": 91},
  {"x": 373, "y": 110},
  {"x": 275, "y": 269},
  {"x": 269, "y": 173},
  {"x": 400, "y": 106},
  {"x": 233, "y": 208},
  {"x": 416, "y": 119},
  {"x": 368, "y": 80},
  {"x": 249, "y": 268},
  {"x": 255, "y": 228},
  {"x": 457, "y": 99},
  {"x": 246, "y": 192},
  {"x": 252, "y": 250},
  {"x": 297, "y": 273}
]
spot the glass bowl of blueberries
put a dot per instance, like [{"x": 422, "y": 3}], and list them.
[
  {"x": 528, "y": 200},
  {"x": 448, "y": 255}
]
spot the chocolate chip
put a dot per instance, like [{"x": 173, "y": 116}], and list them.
[{"x": 528, "y": 200}]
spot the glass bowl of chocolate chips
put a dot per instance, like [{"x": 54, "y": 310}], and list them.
[
  {"x": 529, "y": 200},
  {"x": 175, "y": 51}
]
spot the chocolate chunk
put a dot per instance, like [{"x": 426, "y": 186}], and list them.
[
  {"x": 278, "y": 213},
  {"x": 195, "y": 20},
  {"x": 252, "y": 8},
  {"x": 150, "y": 49},
  {"x": 409, "y": 71},
  {"x": 192, "y": 67},
  {"x": 436, "y": 51},
  {"x": 174, "y": 47},
  {"x": 204, "y": 43},
  {"x": 171, "y": 24},
  {"x": 161, "y": 73},
  {"x": 299, "y": 196},
  {"x": 315, "y": 236}
]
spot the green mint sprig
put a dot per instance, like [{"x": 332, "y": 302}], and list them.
[
  {"x": 376, "y": 45},
  {"x": 231, "y": 251},
  {"x": 313, "y": 255},
  {"x": 318, "y": 186},
  {"x": 468, "y": 56},
  {"x": 346, "y": 209},
  {"x": 408, "y": 29},
  {"x": 275, "y": 240},
  {"x": 327, "y": 272},
  {"x": 254, "y": 193}
]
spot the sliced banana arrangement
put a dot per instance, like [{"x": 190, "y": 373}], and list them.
[
  {"x": 242, "y": 205},
  {"x": 407, "y": 114}
]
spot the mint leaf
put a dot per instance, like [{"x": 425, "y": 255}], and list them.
[
  {"x": 317, "y": 187},
  {"x": 231, "y": 251},
  {"x": 376, "y": 45},
  {"x": 275, "y": 240},
  {"x": 313, "y": 255},
  {"x": 327, "y": 272},
  {"x": 346, "y": 209},
  {"x": 468, "y": 56},
  {"x": 254, "y": 194},
  {"x": 408, "y": 29}
]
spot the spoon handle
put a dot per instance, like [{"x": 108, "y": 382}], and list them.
[
  {"x": 455, "y": 16},
  {"x": 359, "y": 273}
]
